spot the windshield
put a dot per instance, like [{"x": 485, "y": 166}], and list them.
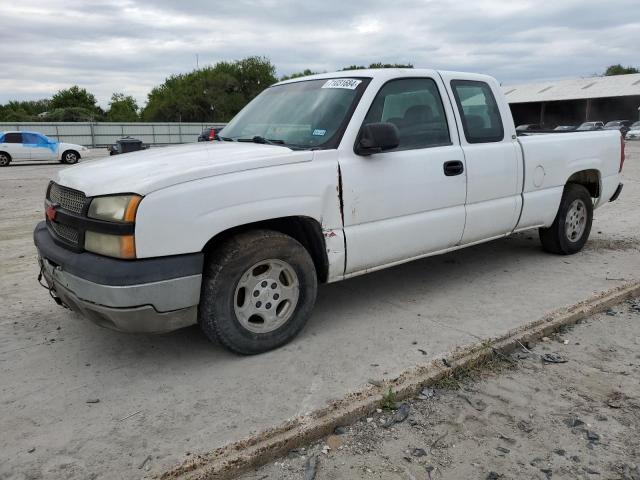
[
  {"x": 612, "y": 124},
  {"x": 635, "y": 125},
  {"x": 305, "y": 114}
]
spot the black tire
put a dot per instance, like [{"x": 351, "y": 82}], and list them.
[
  {"x": 556, "y": 238},
  {"x": 70, "y": 157},
  {"x": 223, "y": 271},
  {"x": 5, "y": 159}
]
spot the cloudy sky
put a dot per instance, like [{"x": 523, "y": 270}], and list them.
[{"x": 131, "y": 45}]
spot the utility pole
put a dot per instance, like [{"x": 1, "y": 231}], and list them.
[{"x": 197, "y": 62}]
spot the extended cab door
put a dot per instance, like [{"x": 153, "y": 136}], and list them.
[
  {"x": 492, "y": 154},
  {"x": 12, "y": 144},
  {"x": 409, "y": 201}
]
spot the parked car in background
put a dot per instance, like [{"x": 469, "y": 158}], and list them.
[
  {"x": 529, "y": 127},
  {"x": 622, "y": 125},
  {"x": 591, "y": 126},
  {"x": 125, "y": 145},
  {"x": 208, "y": 134},
  {"x": 36, "y": 146},
  {"x": 317, "y": 179},
  {"x": 565, "y": 128},
  {"x": 634, "y": 132}
]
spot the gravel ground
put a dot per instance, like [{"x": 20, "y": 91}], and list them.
[
  {"x": 165, "y": 398},
  {"x": 518, "y": 418}
]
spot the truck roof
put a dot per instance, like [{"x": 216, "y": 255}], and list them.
[{"x": 389, "y": 73}]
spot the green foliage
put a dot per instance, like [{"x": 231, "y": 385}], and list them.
[
  {"x": 378, "y": 65},
  {"x": 70, "y": 114},
  {"x": 23, "y": 111},
  {"x": 619, "y": 70},
  {"x": 214, "y": 93},
  {"x": 389, "y": 400},
  {"x": 122, "y": 108},
  {"x": 74, "y": 97},
  {"x": 305, "y": 73}
]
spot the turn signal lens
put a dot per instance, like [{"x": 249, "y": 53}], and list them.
[{"x": 118, "y": 246}]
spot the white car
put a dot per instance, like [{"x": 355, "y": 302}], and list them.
[
  {"x": 35, "y": 146},
  {"x": 634, "y": 132},
  {"x": 318, "y": 179}
]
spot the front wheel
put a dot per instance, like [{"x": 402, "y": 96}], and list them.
[
  {"x": 258, "y": 291},
  {"x": 572, "y": 225},
  {"x": 70, "y": 157}
]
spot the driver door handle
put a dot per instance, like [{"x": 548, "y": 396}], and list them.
[{"x": 453, "y": 167}]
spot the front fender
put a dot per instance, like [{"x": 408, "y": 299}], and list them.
[{"x": 183, "y": 218}]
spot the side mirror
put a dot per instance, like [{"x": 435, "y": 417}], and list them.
[{"x": 377, "y": 137}]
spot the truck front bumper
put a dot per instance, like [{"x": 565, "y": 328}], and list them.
[{"x": 147, "y": 296}]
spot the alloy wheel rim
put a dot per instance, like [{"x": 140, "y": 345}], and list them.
[
  {"x": 576, "y": 220},
  {"x": 266, "y": 296}
]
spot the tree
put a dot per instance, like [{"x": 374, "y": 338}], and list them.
[
  {"x": 24, "y": 111},
  {"x": 619, "y": 70},
  {"x": 75, "y": 97},
  {"x": 305, "y": 73},
  {"x": 378, "y": 65},
  {"x": 122, "y": 108},
  {"x": 214, "y": 93},
  {"x": 70, "y": 114}
]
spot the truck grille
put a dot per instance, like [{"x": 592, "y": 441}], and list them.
[
  {"x": 67, "y": 198},
  {"x": 65, "y": 232}
]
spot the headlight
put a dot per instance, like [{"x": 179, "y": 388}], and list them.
[
  {"x": 118, "y": 246},
  {"x": 115, "y": 208}
]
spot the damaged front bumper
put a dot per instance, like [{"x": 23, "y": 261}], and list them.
[{"x": 148, "y": 295}]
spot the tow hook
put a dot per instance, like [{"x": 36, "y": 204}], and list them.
[{"x": 50, "y": 288}]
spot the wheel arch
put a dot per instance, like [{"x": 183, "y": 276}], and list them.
[
  {"x": 591, "y": 179},
  {"x": 305, "y": 230}
]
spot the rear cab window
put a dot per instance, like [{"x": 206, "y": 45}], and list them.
[{"x": 481, "y": 120}]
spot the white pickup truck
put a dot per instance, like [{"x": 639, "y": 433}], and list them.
[{"x": 318, "y": 179}]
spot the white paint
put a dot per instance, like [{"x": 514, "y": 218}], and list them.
[
  {"x": 397, "y": 206},
  {"x": 538, "y": 176}
]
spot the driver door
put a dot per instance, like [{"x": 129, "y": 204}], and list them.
[
  {"x": 40, "y": 147},
  {"x": 405, "y": 203}
]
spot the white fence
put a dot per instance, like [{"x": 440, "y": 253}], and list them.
[{"x": 100, "y": 134}]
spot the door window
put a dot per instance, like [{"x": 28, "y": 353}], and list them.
[
  {"x": 13, "y": 138},
  {"x": 32, "y": 139},
  {"x": 414, "y": 106},
  {"x": 479, "y": 111}
]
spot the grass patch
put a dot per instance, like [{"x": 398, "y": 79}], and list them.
[
  {"x": 389, "y": 400},
  {"x": 482, "y": 367}
]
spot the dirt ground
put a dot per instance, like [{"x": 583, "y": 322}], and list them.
[
  {"x": 519, "y": 417},
  {"x": 78, "y": 401}
]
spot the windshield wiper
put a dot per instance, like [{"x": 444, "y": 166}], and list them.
[
  {"x": 259, "y": 139},
  {"x": 220, "y": 139}
]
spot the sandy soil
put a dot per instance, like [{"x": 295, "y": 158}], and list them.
[
  {"x": 519, "y": 418},
  {"x": 163, "y": 398}
]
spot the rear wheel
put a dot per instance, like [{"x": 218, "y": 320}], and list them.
[
  {"x": 5, "y": 159},
  {"x": 70, "y": 157},
  {"x": 258, "y": 291},
  {"x": 572, "y": 225}
]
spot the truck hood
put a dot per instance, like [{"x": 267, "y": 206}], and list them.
[{"x": 149, "y": 170}]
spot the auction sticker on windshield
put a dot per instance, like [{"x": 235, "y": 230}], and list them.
[{"x": 348, "y": 83}]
